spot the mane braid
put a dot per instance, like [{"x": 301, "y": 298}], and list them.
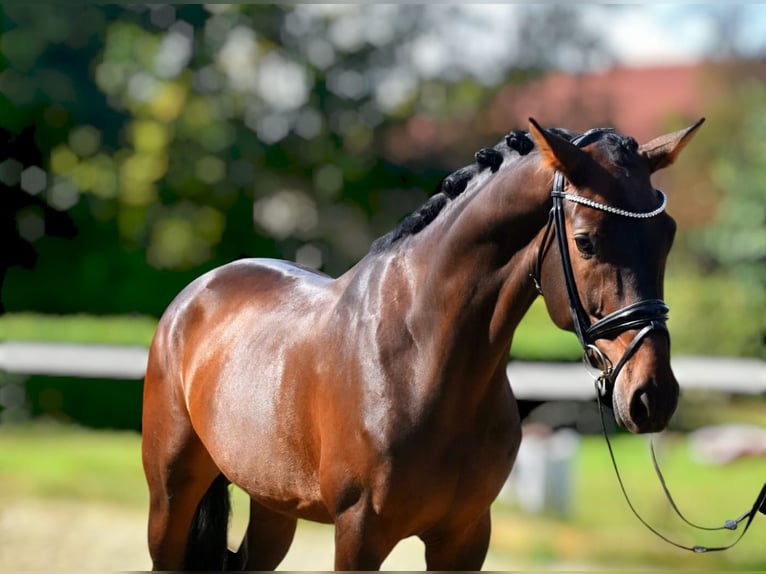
[{"x": 452, "y": 186}]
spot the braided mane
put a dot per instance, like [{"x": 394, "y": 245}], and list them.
[{"x": 454, "y": 184}]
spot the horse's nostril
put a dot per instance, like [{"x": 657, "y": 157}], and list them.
[
  {"x": 639, "y": 407},
  {"x": 644, "y": 398}
]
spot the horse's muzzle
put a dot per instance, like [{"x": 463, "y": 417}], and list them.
[{"x": 645, "y": 406}]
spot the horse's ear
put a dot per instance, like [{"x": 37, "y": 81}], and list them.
[
  {"x": 663, "y": 151},
  {"x": 558, "y": 153}
]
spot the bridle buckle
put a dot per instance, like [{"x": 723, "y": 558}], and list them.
[{"x": 600, "y": 368}]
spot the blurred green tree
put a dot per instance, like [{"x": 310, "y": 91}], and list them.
[
  {"x": 180, "y": 137},
  {"x": 736, "y": 241}
]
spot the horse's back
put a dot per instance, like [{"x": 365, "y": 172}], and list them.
[
  {"x": 242, "y": 280},
  {"x": 233, "y": 304},
  {"x": 239, "y": 288}
]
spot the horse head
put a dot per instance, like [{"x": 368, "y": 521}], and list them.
[{"x": 603, "y": 275}]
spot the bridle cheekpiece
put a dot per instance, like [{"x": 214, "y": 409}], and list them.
[{"x": 645, "y": 316}]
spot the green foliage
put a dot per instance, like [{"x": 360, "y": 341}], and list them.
[
  {"x": 713, "y": 314},
  {"x": 180, "y": 137},
  {"x": 738, "y": 238},
  {"x": 538, "y": 339},
  {"x": 93, "y": 403},
  {"x": 176, "y": 138},
  {"x": 734, "y": 244}
]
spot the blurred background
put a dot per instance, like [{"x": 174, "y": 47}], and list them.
[{"x": 142, "y": 145}]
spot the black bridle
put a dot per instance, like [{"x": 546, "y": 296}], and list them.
[{"x": 643, "y": 316}]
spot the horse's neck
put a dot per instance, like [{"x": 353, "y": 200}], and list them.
[
  {"x": 467, "y": 274},
  {"x": 476, "y": 262}
]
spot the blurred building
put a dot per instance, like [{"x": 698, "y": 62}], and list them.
[{"x": 639, "y": 101}]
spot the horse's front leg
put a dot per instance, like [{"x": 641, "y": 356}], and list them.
[
  {"x": 458, "y": 547},
  {"x": 360, "y": 541}
]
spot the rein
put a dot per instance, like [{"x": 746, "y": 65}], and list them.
[
  {"x": 644, "y": 316},
  {"x": 758, "y": 506}
]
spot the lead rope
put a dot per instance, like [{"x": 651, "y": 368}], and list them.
[{"x": 758, "y": 505}]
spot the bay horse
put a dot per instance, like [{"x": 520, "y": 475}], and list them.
[{"x": 378, "y": 401}]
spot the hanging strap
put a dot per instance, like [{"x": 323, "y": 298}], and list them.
[
  {"x": 758, "y": 506},
  {"x": 727, "y": 525}
]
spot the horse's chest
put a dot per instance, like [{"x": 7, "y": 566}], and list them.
[
  {"x": 451, "y": 477},
  {"x": 469, "y": 454}
]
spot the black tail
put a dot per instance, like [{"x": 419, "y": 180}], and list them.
[{"x": 206, "y": 544}]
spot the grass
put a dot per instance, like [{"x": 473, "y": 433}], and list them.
[
  {"x": 602, "y": 530},
  {"x": 709, "y": 495},
  {"x": 63, "y": 462},
  {"x": 118, "y": 329},
  {"x": 49, "y": 460}
]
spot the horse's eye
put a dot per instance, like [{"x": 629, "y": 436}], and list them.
[{"x": 585, "y": 245}]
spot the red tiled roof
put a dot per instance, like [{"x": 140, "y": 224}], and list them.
[
  {"x": 636, "y": 101},
  {"x": 643, "y": 102}
]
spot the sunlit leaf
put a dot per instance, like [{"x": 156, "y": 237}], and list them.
[
  {"x": 149, "y": 136},
  {"x": 168, "y": 102},
  {"x": 63, "y": 160}
]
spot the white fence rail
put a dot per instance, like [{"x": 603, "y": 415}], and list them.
[
  {"x": 530, "y": 380},
  {"x": 74, "y": 360}
]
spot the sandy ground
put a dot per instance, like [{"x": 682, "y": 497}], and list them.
[{"x": 63, "y": 535}]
